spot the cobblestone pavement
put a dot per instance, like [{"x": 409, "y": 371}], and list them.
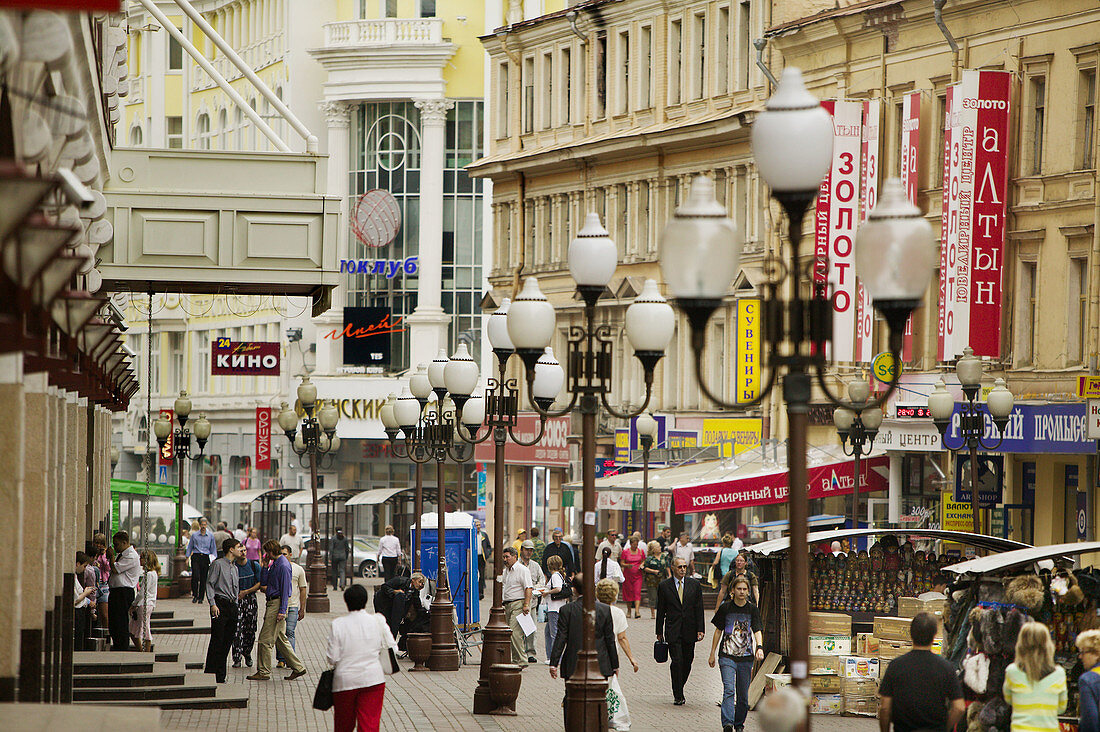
[{"x": 442, "y": 701}]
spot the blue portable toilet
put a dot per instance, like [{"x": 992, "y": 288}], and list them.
[{"x": 461, "y": 561}]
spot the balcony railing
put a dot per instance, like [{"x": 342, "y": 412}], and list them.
[{"x": 384, "y": 32}]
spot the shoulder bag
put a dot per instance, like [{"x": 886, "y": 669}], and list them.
[
  {"x": 322, "y": 698},
  {"x": 387, "y": 659}
]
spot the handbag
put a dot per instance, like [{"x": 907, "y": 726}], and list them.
[
  {"x": 322, "y": 698},
  {"x": 660, "y": 651},
  {"x": 387, "y": 659}
]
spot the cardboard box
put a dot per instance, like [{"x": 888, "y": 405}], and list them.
[
  {"x": 824, "y": 665},
  {"x": 830, "y": 645},
  {"x": 826, "y": 684},
  {"x": 890, "y": 650},
  {"x": 908, "y": 607},
  {"x": 862, "y": 706},
  {"x": 859, "y": 667},
  {"x": 859, "y": 686},
  {"x": 776, "y": 681},
  {"x": 830, "y": 624},
  {"x": 897, "y": 629},
  {"x": 866, "y": 644},
  {"x": 826, "y": 704}
]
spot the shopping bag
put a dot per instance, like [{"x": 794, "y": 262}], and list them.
[
  {"x": 322, "y": 698},
  {"x": 618, "y": 717}
]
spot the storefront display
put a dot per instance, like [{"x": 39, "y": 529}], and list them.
[{"x": 871, "y": 581}]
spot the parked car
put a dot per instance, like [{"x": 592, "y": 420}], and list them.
[{"x": 365, "y": 556}]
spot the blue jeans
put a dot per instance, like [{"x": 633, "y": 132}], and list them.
[
  {"x": 551, "y": 631},
  {"x": 735, "y": 690},
  {"x": 291, "y": 624}
]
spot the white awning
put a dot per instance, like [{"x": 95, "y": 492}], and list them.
[
  {"x": 374, "y": 497},
  {"x": 1021, "y": 557},
  {"x": 246, "y": 496},
  {"x": 298, "y": 498}
]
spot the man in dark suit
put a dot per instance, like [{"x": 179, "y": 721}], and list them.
[
  {"x": 570, "y": 640},
  {"x": 680, "y": 623}
]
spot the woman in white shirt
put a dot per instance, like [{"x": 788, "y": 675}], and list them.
[
  {"x": 358, "y": 684},
  {"x": 608, "y": 568},
  {"x": 618, "y": 717},
  {"x": 558, "y": 592}
]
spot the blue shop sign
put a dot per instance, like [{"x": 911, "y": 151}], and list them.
[{"x": 1033, "y": 428}]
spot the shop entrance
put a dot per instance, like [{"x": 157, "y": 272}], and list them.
[{"x": 1013, "y": 521}]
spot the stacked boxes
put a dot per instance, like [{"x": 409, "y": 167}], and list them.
[
  {"x": 866, "y": 644},
  {"x": 908, "y": 607},
  {"x": 860, "y": 696},
  {"x": 830, "y": 641}
]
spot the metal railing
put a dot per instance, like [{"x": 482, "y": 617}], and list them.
[{"x": 384, "y": 32}]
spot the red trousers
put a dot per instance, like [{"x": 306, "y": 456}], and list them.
[{"x": 362, "y": 705}]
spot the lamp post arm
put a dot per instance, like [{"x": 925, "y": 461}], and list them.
[
  {"x": 542, "y": 430},
  {"x": 416, "y": 451},
  {"x": 547, "y": 413},
  {"x": 473, "y": 440},
  {"x": 895, "y": 352},
  {"x": 767, "y": 388},
  {"x": 630, "y": 413}
]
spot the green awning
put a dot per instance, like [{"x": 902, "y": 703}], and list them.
[{"x": 141, "y": 488}]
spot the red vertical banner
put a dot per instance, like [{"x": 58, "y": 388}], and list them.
[
  {"x": 263, "y": 438},
  {"x": 821, "y": 225},
  {"x": 946, "y": 322},
  {"x": 868, "y": 196},
  {"x": 988, "y": 215},
  {"x": 910, "y": 154},
  {"x": 166, "y": 454}
]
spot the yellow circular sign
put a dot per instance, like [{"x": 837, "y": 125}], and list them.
[{"x": 883, "y": 367}]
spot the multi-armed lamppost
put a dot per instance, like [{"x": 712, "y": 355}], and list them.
[
  {"x": 647, "y": 434},
  {"x": 860, "y": 429},
  {"x": 181, "y": 452},
  {"x": 972, "y": 427},
  {"x": 531, "y": 321},
  {"x": 316, "y": 439},
  {"x": 792, "y": 144}
]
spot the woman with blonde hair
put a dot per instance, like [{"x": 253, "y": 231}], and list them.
[
  {"x": 1035, "y": 686},
  {"x": 1088, "y": 707},
  {"x": 145, "y": 602},
  {"x": 618, "y": 716}
]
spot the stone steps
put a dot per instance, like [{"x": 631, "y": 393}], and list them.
[
  {"x": 147, "y": 679},
  {"x": 193, "y": 686},
  {"x": 163, "y": 674},
  {"x": 225, "y": 697}
]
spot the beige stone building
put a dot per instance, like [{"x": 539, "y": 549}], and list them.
[{"x": 615, "y": 109}]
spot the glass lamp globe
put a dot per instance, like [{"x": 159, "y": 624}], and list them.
[
  {"x": 328, "y": 416},
  {"x": 473, "y": 412},
  {"x": 323, "y": 443},
  {"x": 307, "y": 394},
  {"x": 941, "y": 404},
  {"x": 700, "y": 246},
  {"x": 182, "y": 406},
  {"x": 531, "y": 318},
  {"x": 299, "y": 443},
  {"x": 461, "y": 373},
  {"x": 646, "y": 425},
  {"x": 497, "y": 327},
  {"x": 386, "y": 414},
  {"x": 858, "y": 391},
  {"x": 592, "y": 255},
  {"x": 288, "y": 420},
  {"x": 436, "y": 370},
  {"x": 407, "y": 411},
  {"x": 969, "y": 369},
  {"x": 871, "y": 417},
  {"x": 895, "y": 254},
  {"x": 162, "y": 428},
  {"x": 1000, "y": 401},
  {"x": 419, "y": 384},
  {"x": 334, "y": 444},
  {"x": 549, "y": 378},
  {"x": 792, "y": 139},
  {"x": 843, "y": 418},
  {"x": 202, "y": 428},
  {"x": 650, "y": 321}
]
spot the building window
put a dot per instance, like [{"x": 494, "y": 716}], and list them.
[
  {"x": 1086, "y": 134},
  {"x": 601, "y": 75},
  {"x": 623, "y": 82},
  {"x": 427, "y": 8},
  {"x": 176, "y": 346},
  {"x": 1078, "y": 309},
  {"x": 645, "y": 58},
  {"x": 528, "y": 95},
  {"x": 135, "y": 136},
  {"x": 1038, "y": 93},
  {"x": 223, "y": 129},
  {"x": 699, "y": 87},
  {"x": 389, "y": 8},
  {"x": 566, "y": 86},
  {"x": 175, "y": 132},
  {"x": 202, "y": 380},
  {"x": 547, "y": 120},
  {"x": 622, "y": 231},
  {"x": 744, "y": 43},
  {"x": 175, "y": 55},
  {"x": 203, "y": 127},
  {"x": 154, "y": 380},
  {"x": 1026, "y": 315},
  {"x": 675, "y": 61},
  {"x": 723, "y": 46},
  {"x": 505, "y": 108},
  {"x": 238, "y": 129}
]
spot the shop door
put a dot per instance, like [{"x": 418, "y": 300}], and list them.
[{"x": 1015, "y": 521}]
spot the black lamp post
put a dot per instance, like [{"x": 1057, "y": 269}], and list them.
[
  {"x": 647, "y": 434},
  {"x": 315, "y": 440},
  {"x": 858, "y": 428},
  {"x": 181, "y": 452},
  {"x": 650, "y": 323},
  {"x": 971, "y": 417},
  {"x": 792, "y": 145}
]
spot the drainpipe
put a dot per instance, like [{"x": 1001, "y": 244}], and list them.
[
  {"x": 521, "y": 188},
  {"x": 937, "y": 10},
  {"x": 760, "y": 44}
]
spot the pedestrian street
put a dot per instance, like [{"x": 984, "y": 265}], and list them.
[{"x": 442, "y": 701}]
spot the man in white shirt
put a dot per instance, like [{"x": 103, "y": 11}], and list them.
[
  {"x": 294, "y": 541},
  {"x": 125, "y": 571},
  {"x": 517, "y": 588},
  {"x": 683, "y": 549},
  {"x": 239, "y": 533},
  {"x": 296, "y": 608},
  {"x": 389, "y": 549},
  {"x": 538, "y": 579},
  {"x": 611, "y": 541}
]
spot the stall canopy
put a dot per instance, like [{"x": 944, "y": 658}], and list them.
[
  {"x": 247, "y": 496},
  {"x": 991, "y": 543},
  {"x": 299, "y": 498},
  {"x": 1021, "y": 556},
  {"x": 374, "y": 497}
]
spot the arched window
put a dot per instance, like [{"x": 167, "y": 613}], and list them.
[
  {"x": 135, "y": 136},
  {"x": 223, "y": 129},
  {"x": 202, "y": 126},
  {"x": 252, "y": 128}
]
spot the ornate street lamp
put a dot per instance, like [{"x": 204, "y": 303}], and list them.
[
  {"x": 792, "y": 145},
  {"x": 181, "y": 451},
  {"x": 312, "y": 442},
  {"x": 647, "y": 434},
  {"x": 972, "y": 428},
  {"x": 860, "y": 429},
  {"x": 531, "y": 325}
]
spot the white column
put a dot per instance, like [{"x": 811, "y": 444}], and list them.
[
  {"x": 330, "y": 350},
  {"x": 427, "y": 325}
]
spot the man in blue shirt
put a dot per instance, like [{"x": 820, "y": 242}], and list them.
[
  {"x": 202, "y": 550},
  {"x": 275, "y": 580}
]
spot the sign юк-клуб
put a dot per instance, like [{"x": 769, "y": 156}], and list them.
[{"x": 244, "y": 358}]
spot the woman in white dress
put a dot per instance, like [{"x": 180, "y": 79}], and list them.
[{"x": 618, "y": 716}]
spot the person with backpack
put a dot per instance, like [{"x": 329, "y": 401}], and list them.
[{"x": 248, "y": 584}]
